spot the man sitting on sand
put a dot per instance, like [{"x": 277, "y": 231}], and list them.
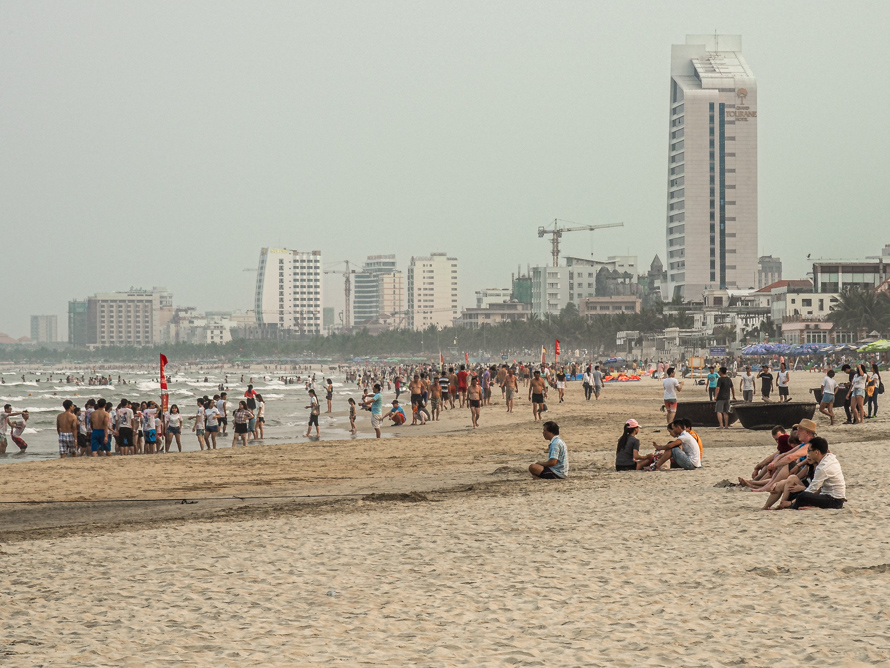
[
  {"x": 682, "y": 451},
  {"x": 826, "y": 489},
  {"x": 557, "y": 464}
]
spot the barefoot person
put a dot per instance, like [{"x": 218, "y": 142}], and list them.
[
  {"x": 125, "y": 418},
  {"x": 682, "y": 452},
  {"x": 99, "y": 431},
  {"x": 375, "y": 404},
  {"x": 314, "y": 411},
  {"x": 537, "y": 392},
  {"x": 242, "y": 417},
  {"x": 722, "y": 405},
  {"x": 556, "y": 466},
  {"x": 510, "y": 387},
  {"x": 66, "y": 428},
  {"x": 198, "y": 427},
  {"x": 474, "y": 399},
  {"x": 173, "y": 428},
  {"x": 4, "y": 421},
  {"x": 829, "y": 387},
  {"x": 671, "y": 387}
]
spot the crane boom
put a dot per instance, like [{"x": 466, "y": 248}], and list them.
[{"x": 557, "y": 232}]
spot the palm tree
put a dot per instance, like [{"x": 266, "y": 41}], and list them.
[{"x": 862, "y": 310}]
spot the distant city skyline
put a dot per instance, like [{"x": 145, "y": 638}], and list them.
[{"x": 193, "y": 134}]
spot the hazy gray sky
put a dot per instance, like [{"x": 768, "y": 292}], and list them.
[{"x": 163, "y": 143}]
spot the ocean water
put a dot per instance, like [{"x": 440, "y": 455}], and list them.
[{"x": 286, "y": 417}]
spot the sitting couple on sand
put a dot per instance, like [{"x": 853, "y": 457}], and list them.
[
  {"x": 802, "y": 473},
  {"x": 684, "y": 450}
]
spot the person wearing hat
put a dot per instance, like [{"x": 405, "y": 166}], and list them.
[{"x": 628, "y": 457}]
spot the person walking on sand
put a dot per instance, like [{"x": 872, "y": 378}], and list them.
[
  {"x": 510, "y": 387},
  {"x": 537, "y": 392},
  {"x": 223, "y": 407},
  {"x": 725, "y": 387},
  {"x": 314, "y": 411},
  {"x": 556, "y": 466},
  {"x": 198, "y": 427},
  {"x": 211, "y": 420},
  {"x": 671, "y": 387},
  {"x": 66, "y": 428},
  {"x": 260, "y": 426},
  {"x": 783, "y": 379},
  {"x": 474, "y": 399},
  {"x": 829, "y": 387},
  {"x": 746, "y": 385}
]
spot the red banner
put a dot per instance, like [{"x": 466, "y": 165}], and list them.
[
  {"x": 467, "y": 357},
  {"x": 441, "y": 359},
  {"x": 543, "y": 355},
  {"x": 557, "y": 347},
  {"x": 164, "y": 397}
]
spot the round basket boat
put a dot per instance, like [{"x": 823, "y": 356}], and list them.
[
  {"x": 702, "y": 413},
  {"x": 840, "y": 395},
  {"x": 768, "y": 415}
]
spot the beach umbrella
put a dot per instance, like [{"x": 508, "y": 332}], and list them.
[{"x": 880, "y": 346}]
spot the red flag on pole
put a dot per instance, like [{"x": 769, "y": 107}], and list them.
[
  {"x": 467, "y": 357},
  {"x": 543, "y": 355},
  {"x": 164, "y": 396},
  {"x": 557, "y": 347},
  {"x": 441, "y": 359}
]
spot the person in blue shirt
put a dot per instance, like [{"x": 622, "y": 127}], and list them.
[
  {"x": 397, "y": 415},
  {"x": 712, "y": 383},
  {"x": 556, "y": 466},
  {"x": 376, "y": 404}
]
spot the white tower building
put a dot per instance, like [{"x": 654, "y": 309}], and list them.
[
  {"x": 712, "y": 168},
  {"x": 289, "y": 290},
  {"x": 432, "y": 291}
]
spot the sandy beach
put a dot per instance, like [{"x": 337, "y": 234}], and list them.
[{"x": 435, "y": 548}]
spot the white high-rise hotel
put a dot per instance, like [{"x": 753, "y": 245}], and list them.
[
  {"x": 712, "y": 169},
  {"x": 288, "y": 290}
]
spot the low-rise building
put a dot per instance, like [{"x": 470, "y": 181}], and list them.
[
  {"x": 590, "y": 307},
  {"x": 493, "y": 314}
]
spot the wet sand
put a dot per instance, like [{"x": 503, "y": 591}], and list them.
[{"x": 436, "y": 549}]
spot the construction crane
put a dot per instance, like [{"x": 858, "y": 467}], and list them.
[
  {"x": 347, "y": 290},
  {"x": 557, "y": 231}
]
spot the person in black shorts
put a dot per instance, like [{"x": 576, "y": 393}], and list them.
[
  {"x": 766, "y": 382},
  {"x": 537, "y": 392}
]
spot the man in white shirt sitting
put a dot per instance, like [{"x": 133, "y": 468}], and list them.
[
  {"x": 682, "y": 452},
  {"x": 827, "y": 489}
]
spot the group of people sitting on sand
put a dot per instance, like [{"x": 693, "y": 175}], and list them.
[
  {"x": 800, "y": 473},
  {"x": 684, "y": 450}
]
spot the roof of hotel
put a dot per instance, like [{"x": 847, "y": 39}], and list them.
[{"x": 793, "y": 283}]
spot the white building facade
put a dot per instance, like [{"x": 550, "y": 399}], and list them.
[
  {"x": 289, "y": 290},
  {"x": 432, "y": 291},
  {"x": 378, "y": 289},
  {"x": 45, "y": 328},
  {"x": 712, "y": 168}
]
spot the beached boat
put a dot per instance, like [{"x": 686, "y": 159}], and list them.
[
  {"x": 768, "y": 415},
  {"x": 702, "y": 413}
]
